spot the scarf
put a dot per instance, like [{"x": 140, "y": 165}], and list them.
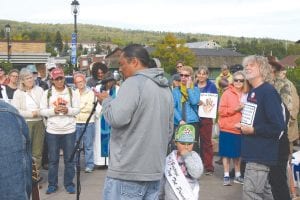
[
  {"x": 105, "y": 129},
  {"x": 184, "y": 94}
]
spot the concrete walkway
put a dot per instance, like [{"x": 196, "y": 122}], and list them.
[{"x": 211, "y": 187}]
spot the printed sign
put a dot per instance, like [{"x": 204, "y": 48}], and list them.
[
  {"x": 248, "y": 114},
  {"x": 209, "y": 107}
]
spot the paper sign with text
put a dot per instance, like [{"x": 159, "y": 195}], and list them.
[
  {"x": 209, "y": 107},
  {"x": 248, "y": 114}
]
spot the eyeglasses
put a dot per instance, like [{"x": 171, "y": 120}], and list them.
[
  {"x": 239, "y": 80},
  {"x": 184, "y": 75},
  {"x": 185, "y": 143}
]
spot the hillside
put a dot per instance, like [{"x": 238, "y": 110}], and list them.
[{"x": 96, "y": 33}]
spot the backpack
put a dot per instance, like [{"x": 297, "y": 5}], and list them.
[{"x": 49, "y": 94}]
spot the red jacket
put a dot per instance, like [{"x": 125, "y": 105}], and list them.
[{"x": 228, "y": 117}]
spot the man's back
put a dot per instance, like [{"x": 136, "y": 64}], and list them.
[
  {"x": 15, "y": 155},
  {"x": 141, "y": 117}
]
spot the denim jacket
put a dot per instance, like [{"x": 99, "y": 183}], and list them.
[{"x": 15, "y": 155}]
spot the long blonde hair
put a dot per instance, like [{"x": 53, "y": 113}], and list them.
[{"x": 246, "y": 85}]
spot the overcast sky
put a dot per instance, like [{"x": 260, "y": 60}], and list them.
[{"x": 279, "y": 19}]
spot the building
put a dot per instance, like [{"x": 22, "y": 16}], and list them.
[
  {"x": 290, "y": 61},
  {"x": 23, "y": 53},
  {"x": 203, "y": 45}
]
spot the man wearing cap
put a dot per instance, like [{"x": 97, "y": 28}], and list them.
[
  {"x": 37, "y": 79},
  {"x": 183, "y": 167},
  {"x": 60, "y": 105},
  {"x": 278, "y": 175},
  {"x": 225, "y": 74}
]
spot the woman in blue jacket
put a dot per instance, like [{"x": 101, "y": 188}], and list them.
[{"x": 186, "y": 102}]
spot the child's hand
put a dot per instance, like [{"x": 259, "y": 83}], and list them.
[{"x": 182, "y": 152}]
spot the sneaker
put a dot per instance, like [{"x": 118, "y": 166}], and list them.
[
  {"x": 88, "y": 170},
  {"x": 70, "y": 189},
  {"x": 226, "y": 181},
  {"x": 239, "y": 180},
  {"x": 208, "y": 172},
  {"x": 51, "y": 189}
]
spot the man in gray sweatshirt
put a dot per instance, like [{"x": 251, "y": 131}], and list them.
[{"x": 141, "y": 117}]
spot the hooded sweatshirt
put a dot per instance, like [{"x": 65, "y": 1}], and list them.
[{"x": 141, "y": 117}]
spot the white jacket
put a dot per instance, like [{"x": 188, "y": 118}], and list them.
[
  {"x": 60, "y": 124},
  {"x": 19, "y": 102}
]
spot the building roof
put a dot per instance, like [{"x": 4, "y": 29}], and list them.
[
  {"x": 203, "y": 45},
  {"x": 216, "y": 52},
  {"x": 289, "y": 61}
]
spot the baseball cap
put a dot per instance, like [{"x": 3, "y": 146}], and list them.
[
  {"x": 50, "y": 66},
  {"x": 57, "y": 72},
  {"x": 32, "y": 68},
  {"x": 185, "y": 133}
]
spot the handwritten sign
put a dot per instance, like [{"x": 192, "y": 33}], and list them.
[
  {"x": 248, "y": 114},
  {"x": 209, "y": 107}
]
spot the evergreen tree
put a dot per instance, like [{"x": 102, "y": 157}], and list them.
[{"x": 59, "y": 42}]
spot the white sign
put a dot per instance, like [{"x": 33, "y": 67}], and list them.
[
  {"x": 209, "y": 107},
  {"x": 248, "y": 114}
]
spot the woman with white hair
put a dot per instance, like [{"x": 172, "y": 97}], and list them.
[{"x": 27, "y": 101}]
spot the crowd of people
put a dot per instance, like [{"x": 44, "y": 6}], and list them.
[{"x": 153, "y": 134}]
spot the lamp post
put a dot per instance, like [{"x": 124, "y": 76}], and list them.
[
  {"x": 75, "y": 11},
  {"x": 7, "y": 31}
]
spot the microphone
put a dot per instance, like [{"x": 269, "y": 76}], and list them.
[{"x": 107, "y": 78}]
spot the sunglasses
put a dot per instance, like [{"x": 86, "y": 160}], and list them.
[
  {"x": 239, "y": 80},
  {"x": 184, "y": 75}
]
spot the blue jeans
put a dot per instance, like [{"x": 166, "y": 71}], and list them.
[
  {"x": 15, "y": 155},
  {"x": 88, "y": 142},
  {"x": 66, "y": 142},
  {"x": 130, "y": 190}
]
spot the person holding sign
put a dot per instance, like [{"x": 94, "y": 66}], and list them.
[
  {"x": 260, "y": 136},
  {"x": 231, "y": 105},
  {"x": 205, "y": 86},
  {"x": 183, "y": 168}
]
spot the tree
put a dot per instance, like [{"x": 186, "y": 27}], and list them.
[
  {"x": 98, "y": 48},
  {"x": 170, "y": 50},
  {"x": 59, "y": 42}
]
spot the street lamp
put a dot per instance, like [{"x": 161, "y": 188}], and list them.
[
  {"x": 75, "y": 11},
  {"x": 7, "y": 31}
]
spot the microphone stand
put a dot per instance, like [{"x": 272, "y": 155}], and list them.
[{"x": 78, "y": 149}]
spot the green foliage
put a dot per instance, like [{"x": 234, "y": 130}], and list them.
[
  {"x": 297, "y": 61},
  {"x": 294, "y": 76},
  {"x": 171, "y": 50},
  {"x": 7, "y": 66},
  {"x": 58, "y": 42}
]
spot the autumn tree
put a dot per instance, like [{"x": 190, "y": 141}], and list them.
[{"x": 170, "y": 50}]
